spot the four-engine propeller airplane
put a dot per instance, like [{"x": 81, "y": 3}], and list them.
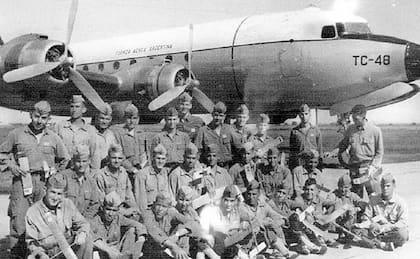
[{"x": 272, "y": 62}]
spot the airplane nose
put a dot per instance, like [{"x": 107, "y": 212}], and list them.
[{"x": 412, "y": 61}]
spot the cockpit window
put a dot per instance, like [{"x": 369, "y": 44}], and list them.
[
  {"x": 328, "y": 32},
  {"x": 352, "y": 28}
]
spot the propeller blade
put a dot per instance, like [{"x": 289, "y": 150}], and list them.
[
  {"x": 70, "y": 23},
  {"x": 86, "y": 89},
  {"x": 166, "y": 97},
  {"x": 191, "y": 35},
  {"x": 29, "y": 71},
  {"x": 202, "y": 98}
]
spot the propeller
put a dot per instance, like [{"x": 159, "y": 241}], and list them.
[
  {"x": 191, "y": 85},
  {"x": 41, "y": 68}
]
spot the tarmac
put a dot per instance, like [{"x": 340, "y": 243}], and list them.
[{"x": 407, "y": 176}]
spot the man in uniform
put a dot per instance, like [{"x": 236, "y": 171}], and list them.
[
  {"x": 174, "y": 141},
  {"x": 55, "y": 220},
  {"x": 304, "y": 136},
  {"x": 114, "y": 178},
  {"x": 219, "y": 175},
  {"x": 241, "y": 133},
  {"x": 219, "y": 133},
  {"x": 188, "y": 173},
  {"x": 188, "y": 123},
  {"x": 272, "y": 174},
  {"x": 309, "y": 160},
  {"x": 104, "y": 137},
  {"x": 261, "y": 139},
  {"x": 165, "y": 226},
  {"x": 107, "y": 231},
  {"x": 388, "y": 213},
  {"x": 244, "y": 171},
  {"x": 152, "y": 179},
  {"x": 76, "y": 130},
  {"x": 133, "y": 141},
  {"x": 366, "y": 149},
  {"x": 81, "y": 187},
  {"x": 41, "y": 148},
  {"x": 269, "y": 221}
]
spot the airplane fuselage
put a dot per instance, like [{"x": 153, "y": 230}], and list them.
[{"x": 272, "y": 62}]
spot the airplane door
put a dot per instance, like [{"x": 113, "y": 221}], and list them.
[{"x": 290, "y": 59}]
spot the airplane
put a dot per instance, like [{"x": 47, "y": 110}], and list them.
[{"x": 271, "y": 62}]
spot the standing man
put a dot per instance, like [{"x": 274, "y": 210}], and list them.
[
  {"x": 366, "y": 149},
  {"x": 188, "y": 123},
  {"x": 219, "y": 176},
  {"x": 303, "y": 137},
  {"x": 76, "y": 130},
  {"x": 133, "y": 141},
  {"x": 54, "y": 220},
  {"x": 81, "y": 187},
  {"x": 41, "y": 148},
  {"x": 174, "y": 141},
  {"x": 104, "y": 137},
  {"x": 219, "y": 133},
  {"x": 152, "y": 179},
  {"x": 245, "y": 171},
  {"x": 241, "y": 133},
  {"x": 261, "y": 139}
]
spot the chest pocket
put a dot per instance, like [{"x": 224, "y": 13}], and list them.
[
  {"x": 367, "y": 140},
  {"x": 151, "y": 183},
  {"x": 179, "y": 145},
  {"x": 46, "y": 148}
]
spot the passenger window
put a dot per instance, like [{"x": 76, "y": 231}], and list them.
[
  {"x": 133, "y": 61},
  {"x": 101, "y": 67},
  {"x": 328, "y": 32},
  {"x": 85, "y": 68},
  {"x": 116, "y": 65}
]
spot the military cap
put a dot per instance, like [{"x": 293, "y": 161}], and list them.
[
  {"x": 231, "y": 191},
  {"x": 160, "y": 149},
  {"x": 57, "y": 181},
  {"x": 387, "y": 178},
  {"x": 185, "y": 97},
  {"x": 245, "y": 147},
  {"x": 106, "y": 110},
  {"x": 186, "y": 192},
  {"x": 253, "y": 185},
  {"x": 359, "y": 109},
  {"x": 112, "y": 200},
  {"x": 263, "y": 118},
  {"x": 131, "y": 110},
  {"x": 272, "y": 151},
  {"x": 212, "y": 148},
  {"x": 309, "y": 154},
  {"x": 281, "y": 187},
  {"x": 42, "y": 107},
  {"x": 115, "y": 148},
  {"x": 81, "y": 151},
  {"x": 344, "y": 180},
  {"x": 77, "y": 98},
  {"x": 220, "y": 107},
  {"x": 163, "y": 199},
  {"x": 191, "y": 149},
  {"x": 171, "y": 112},
  {"x": 242, "y": 110},
  {"x": 304, "y": 108},
  {"x": 309, "y": 181}
]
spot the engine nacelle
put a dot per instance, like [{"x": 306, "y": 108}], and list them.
[
  {"x": 30, "y": 49},
  {"x": 152, "y": 80}
]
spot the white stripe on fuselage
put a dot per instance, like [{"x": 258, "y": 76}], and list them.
[{"x": 298, "y": 25}]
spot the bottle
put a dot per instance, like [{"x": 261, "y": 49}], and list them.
[{"x": 27, "y": 179}]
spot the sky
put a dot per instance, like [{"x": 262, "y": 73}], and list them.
[{"x": 109, "y": 18}]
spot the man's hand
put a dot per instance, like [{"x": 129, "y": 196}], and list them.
[
  {"x": 245, "y": 225},
  {"x": 16, "y": 171},
  {"x": 179, "y": 253},
  {"x": 114, "y": 253},
  {"x": 80, "y": 238},
  {"x": 375, "y": 228}
]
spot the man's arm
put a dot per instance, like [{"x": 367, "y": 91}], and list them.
[
  {"x": 140, "y": 190},
  {"x": 379, "y": 149},
  {"x": 61, "y": 153}
]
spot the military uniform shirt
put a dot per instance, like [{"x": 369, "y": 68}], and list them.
[
  {"x": 301, "y": 140},
  {"x": 49, "y": 148},
  {"x": 271, "y": 178},
  {"x": 237, "y": 172},
  {"x": 102, "y": 141},
  {"x": 190, "y": 125},
  {"x": 175, "y": 145},
  {"x": 148, "y": 183}
]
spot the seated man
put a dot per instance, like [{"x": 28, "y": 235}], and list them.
[
  {"x": 388, "y": 215},
  {"x": 270, "y": 222},
  {"x": 81, "y": 187},
  {"x": 308, "y": 169},
  {"x": 244, "y": 171},
  {"x": 272, "y": 174},
  {"x": 107, "y": 231},
  {"x": 114, "y": 178},
  {"x": 54, "y": 222},
  {"x": 344, "y": 196},
  {"x": 281, "y": 201},
  {"x": 165, "y": 225},
  {"x": 311, "y": 205}
]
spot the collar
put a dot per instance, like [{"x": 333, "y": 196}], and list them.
[
  {"x": 28, "y": 130},
  {"x": 391, "y": 201},
  {"x": 45, "y": 209},
  {"x": 187, "y": 117},
  {"x": 67, "y": 124},
  {"x": 108, "y": 172}
]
